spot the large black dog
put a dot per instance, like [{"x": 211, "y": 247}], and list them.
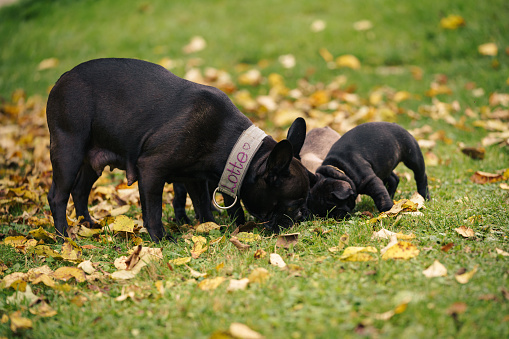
[
  {"x": 135, "y": 115},
  {"x": 362, "y": 162}
]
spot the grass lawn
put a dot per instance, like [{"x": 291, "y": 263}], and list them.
[{"x": 334, "y": 63}]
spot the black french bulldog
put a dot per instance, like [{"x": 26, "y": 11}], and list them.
[
  {"x": 362, "y": 162},
  {"x": 137, "y": 116},
  {"x": 296, "y": 135}
]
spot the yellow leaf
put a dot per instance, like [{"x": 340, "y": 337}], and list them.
[
  {"x": 42, "y": 234},
  {"x": 87, "y": 266},
  {"x": 238, "y": 330},
  {"x": 23, "y": 297},
  {"x": 325, "y": 54},
  {"x": 86, "y": 232},
  {"x": 47, "y": 64},
  {"x": 349, "y": 61},
  {"x": 452, "y": 21},
  {"x": 122, "y": 224},
  {"x": 401, "y": 250},
  {"x": 466, "y": 232},
  {"x": 46, "y": 251},
  {"x": 12, "y": 278},
  {"x": 489, "y": 49},
  {"x": 501, "y": 252},
  {"x": 211, "y": 284},
  {"x": 402, "y": 96},
  {"x": 19, "y": 323},
  {"x": 248, "y": 237},
  {"x": 123, "y": 275},
  {"x": 180, "y": 261},
  {"x": 465, "y": 277},
  {"x": 206, "y": 227},
  {"x": 45, "y": 279},
  {"x": 15, "y": 241},
  {"x": 259, "y": 253},
  {"x": 435, "y": 270},
  {"x": 66, "y": 273},
  {"x": 71, "y": 251},
  {"x": 354, "y": 253},
  {"x": 259, "y": 275},
  {"x": 200, "y": 246}
]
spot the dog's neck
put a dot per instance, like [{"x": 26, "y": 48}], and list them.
[{"x": 239, "y": 160}]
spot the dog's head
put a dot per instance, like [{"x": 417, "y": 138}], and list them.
[
  {"x": 276, "y": 191},
  {"x": 332, "y": 194}
]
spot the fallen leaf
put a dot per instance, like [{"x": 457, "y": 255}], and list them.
[
  {"x": 242, "y": 247},
  {"x": 19, "y": 323},
  {"x": 287, "y": 60},
  {"x": 196, "y": 274},
  {"x": 123, "y": 275},
  {"x": 480, "y": 177},
  {"x": 466, "y": 232},
  {"x": 465, "y": 277},
  {"x": 457, "y": 308},
  {"x": 501, "y": 252},
  {"x": 19, "y": 297},
  {"x": 489, "y": 49},
  {"x": 401, "y": 250},
  {"x": 42, "y": 234},
  {"x": 286, "y": 240},
  {"x": 452, "y": 21},
  {"x": 358, "y": 253},
  {"x": 477, "y": 153},
  {"x": 241, "y": 331},
  {"x": 258, "y": 275},
  {"x": 211, "y": 283},
  {"x": 122, "y": 223},
  {"x": 236, "y": 285},
  {"x": 199, "y": 246},
  {"x": 47, "y": 64},
  {"x": 65, "y": 273},
  {"x": 248, "y": 237},
  {"x": 87, "y": 266},
  {"x": 447, "y": 247},
  {"x": 259, "y": 253},
  {"x": 435, "y": 270},
  {"x": 349, "y": 61},
  {"x": 318, "y": 26},
  {"x": 42, "y": 309},
  {"x": 362, "y": 25},
  {"x": 180, "y": 261},
  {"x": 46, "y": 251},
  {"x": 206, "y": 227},
  {"x": 71, "y": 251},
  {"x": 276, "y": 260},
  {"x": 196, "y": 44}
]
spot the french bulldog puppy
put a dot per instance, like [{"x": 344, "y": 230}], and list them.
[
  {"x": 316, "y": 146},
  {"x": 137, "y": 116},
  {"x": 362, "y": 162}
]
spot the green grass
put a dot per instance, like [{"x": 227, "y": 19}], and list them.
[{"x": 322, "y": 297}]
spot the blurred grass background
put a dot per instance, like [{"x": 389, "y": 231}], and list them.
[{"x": 237, "y": 32}]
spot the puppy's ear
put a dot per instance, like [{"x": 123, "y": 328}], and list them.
[
  {"x": 342, "y": 190},
  {"x": 297, "y": 135},
  {"x": 279, "y": 160}
]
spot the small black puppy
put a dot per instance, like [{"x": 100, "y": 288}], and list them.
[
  {"x": 362, "y": 162},
  {"x": 138, "y": 116}
]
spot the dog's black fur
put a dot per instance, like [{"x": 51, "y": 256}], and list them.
[
  {"x": 160, "y": 128},
  {"x": 362, "y": 162}
]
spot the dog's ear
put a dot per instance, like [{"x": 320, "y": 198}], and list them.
[
  {"x": 297, "y": 135},
  {"x": 342, "y": 190},
  {"x": 279, "y": 160},
  {"x": 313, "y": 178}
]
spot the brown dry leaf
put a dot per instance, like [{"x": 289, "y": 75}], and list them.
[
  {"x": 477, "y": 153},
  {"x": 241, "y": 331},
  {"x": 236, "y": 285},
  {"x": 464, "y": 231},
  {"x": 435, "y": 270},
  {"x": 242, "y": 247},
  {"x": 401, "y": 250},
  {"x": 447, "y": 247},
  {"x": 480, "y": 177},
  {"x": 452, "y": 21},
  {"x": 258, "y": 275},
  {"x": 358, "y": 254},
  {"x": 211, "y": 283},
  {"x": 19, "y": 323},
  {"x": 276, "y": 260},
  {"x": 286, "y": 240},
  {"x": 465, "y": 277},
  {"x": 457, "y": 308}
]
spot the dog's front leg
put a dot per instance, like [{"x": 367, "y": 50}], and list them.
[
  {"x": 236, "y": 213},
  {"x": 375, "y": 188},
  {"x": 151, "y": 191},
  {"x": 200, "y": 195}
]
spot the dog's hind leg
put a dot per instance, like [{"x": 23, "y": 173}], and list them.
[
  {"x": 179, "y": 203},
  {"x": 86, "y": 178},
  {"x": 416, "y": 164}
]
